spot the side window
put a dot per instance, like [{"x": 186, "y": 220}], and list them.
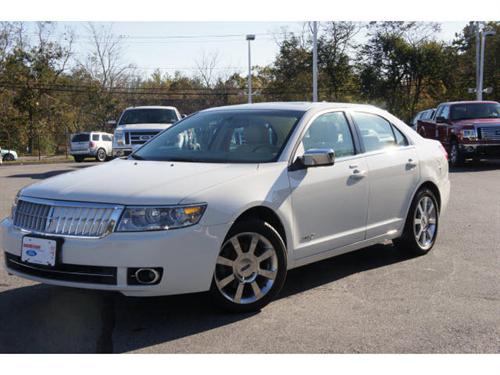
[
  {"x": 376, "y": 132},
  {"x": 95, "y": 137},
  {"x": 106, "y": 138},
  {"x": 330, "y": 130},
  {"x": 400, "y": 138},
  {"x": 445, "y": 112},
  {"x": 438, "y": 112}
]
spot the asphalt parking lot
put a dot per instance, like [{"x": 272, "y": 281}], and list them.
[{"x": 375, "y": 300}]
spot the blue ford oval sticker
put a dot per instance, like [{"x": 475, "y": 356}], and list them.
[{"x": 31, "y": 253}]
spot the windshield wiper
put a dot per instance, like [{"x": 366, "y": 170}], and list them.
[{"x": 136, "y": 157}]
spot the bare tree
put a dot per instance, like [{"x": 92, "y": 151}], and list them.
[
  {"x": 59, "y": 51},
  {"x": 206, "y": 67},
  {"x": 104, "y": 62}
]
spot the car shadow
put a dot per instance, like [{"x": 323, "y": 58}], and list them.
[
  {"x": 49, "y": 319},
  {"x": 482, "y": 166},
  {"x": 44, "y": 175}
]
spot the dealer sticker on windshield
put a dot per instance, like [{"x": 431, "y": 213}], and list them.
[{"x": 39, "y": 251}]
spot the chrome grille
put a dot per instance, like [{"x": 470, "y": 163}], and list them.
[
  {"x": 72, "y": 219},
  {"x": 490, "y": 133},
  {"x": 139, "y": 138}
]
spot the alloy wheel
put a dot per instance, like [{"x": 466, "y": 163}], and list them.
[
  {"x": 247, "y": 267},
  {"x": 454, "y": 154},
  {"x": 425, "y": 222},
  {"x": 101, "y": 155}
]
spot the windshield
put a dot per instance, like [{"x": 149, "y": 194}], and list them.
[
  {"x": 230, "y": 136},
  {"x": 83, "y": 137},
  {"x": 474, "y": 110},
  {"x": 148, "y": 116}
]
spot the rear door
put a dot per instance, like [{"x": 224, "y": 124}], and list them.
[
  {"x": 393, "y": 172},
  {"x": 80, "y": 141}
]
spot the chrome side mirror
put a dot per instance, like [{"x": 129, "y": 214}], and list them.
[{"x": 317, "y": 157}]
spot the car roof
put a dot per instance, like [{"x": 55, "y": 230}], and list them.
[
  {"x": 152, "y": 107},
  {"x": 471, "y": 102},
  {"x": 299, "y": 106},
  {"x": 92, "y": 132}
]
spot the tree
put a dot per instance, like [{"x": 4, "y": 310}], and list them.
[{"x": 104, "y": 63}]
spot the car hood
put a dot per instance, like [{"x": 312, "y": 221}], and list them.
[
  {"x": 140, "y": 127},
  {"x": 131, "y": 182}
]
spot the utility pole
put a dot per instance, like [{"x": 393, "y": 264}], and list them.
[
  {"x": 484, "y": 34},
  {"x": 250, "y": 37},
  {"x": 478, "y": 52},
  {"x": 315, "y": 61}
]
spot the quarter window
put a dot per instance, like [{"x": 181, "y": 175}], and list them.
[
  {"x": 330, "y": 130},
  {"x": 400, "y": 138},
  {"x": 95, "y": 137}
]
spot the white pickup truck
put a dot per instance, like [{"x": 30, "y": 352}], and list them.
[{"x": 137, "y": 125}]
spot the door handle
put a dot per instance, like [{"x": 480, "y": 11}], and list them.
[
  {"x": 359, "y": 173},
  {"x": 411, "y": 164}
]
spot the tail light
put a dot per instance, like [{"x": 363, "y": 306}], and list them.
[
  {"x": 92, "y": 144},
  {"x": 444, "y": 151}
]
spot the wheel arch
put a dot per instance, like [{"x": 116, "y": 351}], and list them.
[
  {"x": 432, "y": 187},
  {"x": 265, "y": 214}
]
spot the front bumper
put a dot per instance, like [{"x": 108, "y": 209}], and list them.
[
  {"x": 480, "y": 150},
  {"x": 121, "y": 151},
  {"x": 187, "y": 257}
]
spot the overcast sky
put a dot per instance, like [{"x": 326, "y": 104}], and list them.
[{"x": 173, "y": 46}]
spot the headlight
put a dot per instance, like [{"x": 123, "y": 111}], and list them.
[
  {"x": 159, "y": 218},
  {"x": 119, "y": 138},
  {"x": 14, "y": 205},
  {"x": 469, "y": 133}
]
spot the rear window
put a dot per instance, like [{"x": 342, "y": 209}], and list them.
[{"x": 80, "y": 138}]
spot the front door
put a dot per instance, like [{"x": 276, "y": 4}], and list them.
[{"x": 329, "y": 203}]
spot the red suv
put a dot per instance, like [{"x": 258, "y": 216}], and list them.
[{"x": 468, "y": 129}]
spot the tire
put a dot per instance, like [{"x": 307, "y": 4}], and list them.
[
  {"x": 246, "y": 280},
  {"x": 8, "y": 157},
  {"x": 100, "y": 155},
  {"x": 78, "y": 158},
  {"x": 456, "y": 157},
  {"x": 419, "y": 238}
]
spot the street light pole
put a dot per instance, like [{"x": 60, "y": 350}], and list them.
[
  {"x": 315, "y": 61},
  {"x": 478, "y": 52},
  {"x": 250, "y": 37},
  {"x": 484, "y": 34}
]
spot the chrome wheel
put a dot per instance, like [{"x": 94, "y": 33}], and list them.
[
  {"x": 454, "y": 154},
  {"x": 101, "y": 155},
  {"x": 247, "y": 267},
  {"x": 425, "y": 222}
]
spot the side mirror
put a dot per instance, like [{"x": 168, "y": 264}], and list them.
[
  {"x": 440, "y": 119},
  {"x": 317, "y": 157},
  {"x": 184, "y": 115}
]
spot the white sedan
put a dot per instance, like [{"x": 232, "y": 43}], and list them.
[{"x": 230, "y": 199}]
